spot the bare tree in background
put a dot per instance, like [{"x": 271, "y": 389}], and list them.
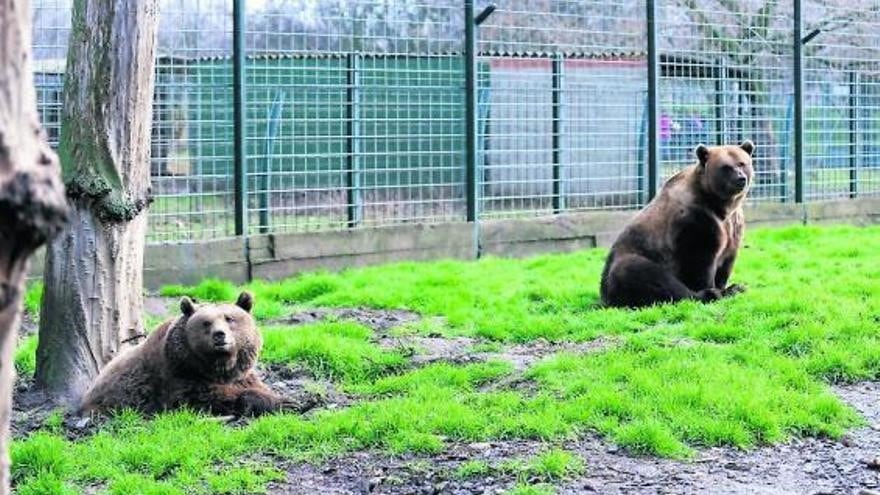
[
  {"x": 93, "y": 299},
  {"x": 754, "y": 36},
  {"x": 32, "y": 204}
]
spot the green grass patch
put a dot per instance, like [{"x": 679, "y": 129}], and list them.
[
  {"x": 152, "y": 322},
  {"x": 339, "y": 351},
  {"x": 210, "y": 289},
  {"x": 499, "y": 299},
  {"x": 555, "y": 465},
  {"x": 551, "y": 465},
  {"x": 490, "y": 346},
  {"x": 32, "y": 298},
  {"x": 742, "y": 372},
  {"x": 662, "y": 400},
  {"x": 242, "y": 480},
  {"x": 437, "y": 375},
  {"x": 177, "y": 453},
  {"x": 531, "y": 489},
  {"x": 221, "y": 291},
  {"x": 26, "y": 356},
  {"x": 472, "y": 469},
  {"x": 268, "y": 310},
  {"x": 419, "y": 421},
  {"x": 555, "y": 297}
]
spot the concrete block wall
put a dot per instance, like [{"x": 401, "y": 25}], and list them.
[{"x": 273, "y": 257}]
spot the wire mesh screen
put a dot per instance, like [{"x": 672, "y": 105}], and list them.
[
  {"x": 192, "y": 149},
  {"x": 842, "y": 99},
  {"x": 726, "y": 75},
  {"x": 561, "y": 106},
  {"x": 355, "y": 115},
  {"x": 51, "y": 28},
  {"x": 355, "y": 109}
]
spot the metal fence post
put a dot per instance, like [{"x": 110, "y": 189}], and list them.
[
  {"x": 353, "y": 166},
  {"x": 472, "y": 116},
  {"x": 653, "y": 76},
  {"x": 239, "y": 178},
  {"x": 470, "y": 82},
  {"x": 854, "y": 136},
  {"x": 471, "y": 124},
  {"x": 556, "y": 84},
  {"x": 798, "y": 104}
]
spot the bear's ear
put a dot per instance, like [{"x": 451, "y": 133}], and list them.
[
  {"x": 187, "y": 307},
  {"x": 702, "y": 153},
  {"x": 748, "y": 147},
  {"x": 245, "y": 301}
]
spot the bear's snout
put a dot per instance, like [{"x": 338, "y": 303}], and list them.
[{"x": 219, "y": 337}]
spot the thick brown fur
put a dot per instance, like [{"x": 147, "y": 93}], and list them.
[
  {"x": 684, "y": 243},
  {"x": 203, "y": 359}
]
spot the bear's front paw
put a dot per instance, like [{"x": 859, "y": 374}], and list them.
[
  {"x": 733, "y": 289},
  {"x": 709, "y": 295},
  {"x": 255, "y": 403}
]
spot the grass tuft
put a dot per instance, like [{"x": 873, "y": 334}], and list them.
[
  {"x": 555, "y": 465},
  {"x": 339, "y": 351},
  {"x": 26, "y": 356},
  {"x": 209, "y": 290},
  {"x": 530, "y": 489},
  {"x": 472, "y": 469},
  {"x": 32, "y": 299}
]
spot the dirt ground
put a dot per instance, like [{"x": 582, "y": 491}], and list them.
[{"x": 809, "y": 466}]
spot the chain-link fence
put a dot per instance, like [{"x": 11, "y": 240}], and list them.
[
  {"x": 192, "y": 149},
  {"x": 726, "y": 75},
  {"x": 361, "y": 128},
  {"x": 842, "y": 99},
  {"x": 365, "y": 113},
  {"x": 562, "y": 101}
]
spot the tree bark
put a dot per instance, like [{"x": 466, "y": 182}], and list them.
[
  {"x": 32, "y": 203},
  {"x": 92, "y": 303}
]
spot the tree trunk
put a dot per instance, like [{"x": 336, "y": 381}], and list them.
[
  {"x": 92, "y": 303},
  {"x": 32, "y": 203}
]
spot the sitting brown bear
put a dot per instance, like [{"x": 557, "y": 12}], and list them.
[
  {"x": 203, "y": 359},
  {"x": 683, "y": 244}
]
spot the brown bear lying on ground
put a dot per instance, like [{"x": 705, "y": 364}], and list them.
[
  {"x": 203, "y": 359},
  {"x": 683, "y": 244}
]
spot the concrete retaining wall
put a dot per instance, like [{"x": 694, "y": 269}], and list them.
[{"x": 273, "y": 257}]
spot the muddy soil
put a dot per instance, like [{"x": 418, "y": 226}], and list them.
[
  {"x": 380, "y": 320},
  {"x": 32, "y": 409},
  {"x": 28, "y": 325}
]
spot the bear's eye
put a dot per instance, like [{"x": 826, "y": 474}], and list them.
[
  {"x": 742, "y": 165},
  {"x": 206, "y": 324},
  {"x": 727, "y": 167},
  {"x": 230, "y": 319}
]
